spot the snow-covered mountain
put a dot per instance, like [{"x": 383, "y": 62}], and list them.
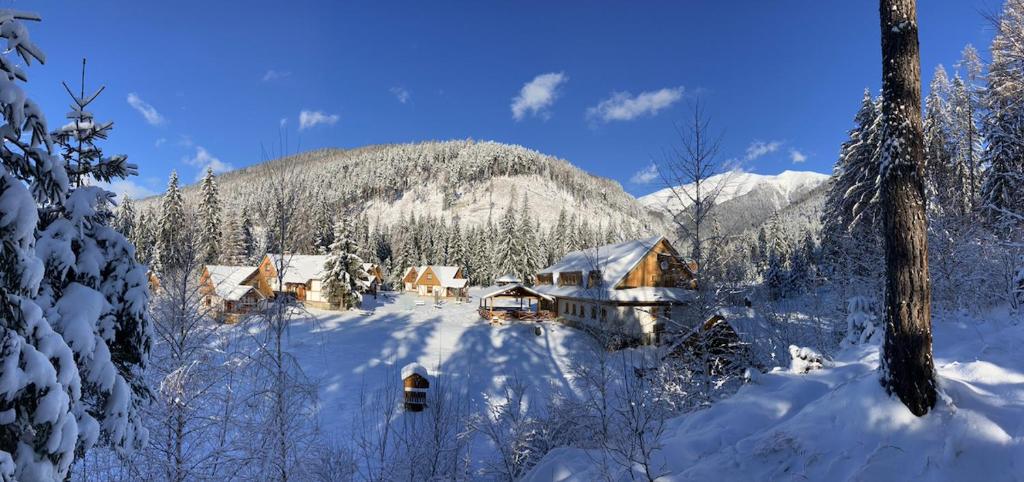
[
  {"x": 465, "y": 179},
  {"x": 746, "y": 199}
]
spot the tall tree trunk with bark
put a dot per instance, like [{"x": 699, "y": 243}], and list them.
[{"x": 907, "y": 366}]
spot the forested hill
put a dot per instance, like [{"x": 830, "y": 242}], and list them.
[{"x": 464, "y": 179}]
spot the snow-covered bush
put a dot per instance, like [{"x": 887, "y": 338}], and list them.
[
  {"x": 860, "y": 323},
  {"x": 805, "y": 360}
]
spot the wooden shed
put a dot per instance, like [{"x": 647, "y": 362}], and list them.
[{"x": 415, "y": 385}]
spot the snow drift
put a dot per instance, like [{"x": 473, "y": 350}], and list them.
[{"x": 837, "y": 423}]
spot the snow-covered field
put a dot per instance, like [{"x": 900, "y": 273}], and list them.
[
  {"x": 346, "y": 352},
  {"x": 837, "y": 423}
]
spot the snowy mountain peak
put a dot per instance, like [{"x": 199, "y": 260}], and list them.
[{"x": 735, "y": 184}]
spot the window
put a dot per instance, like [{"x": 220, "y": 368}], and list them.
[
  {"x": 566, "y": 308},
  {"x": 593, "y": 312},
  {"x": 604, "y": 313},
  {"x": 574, "y": 309},
  {"x": 430, "y": 277}
]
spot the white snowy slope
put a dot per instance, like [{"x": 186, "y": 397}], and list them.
[
  {"x": 465, "y": 179},
  {"x": 837, "y": 423},
  {"x": 788, "y": 185}
]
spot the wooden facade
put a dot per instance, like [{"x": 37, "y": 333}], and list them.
[
  {"x": 630, "y": 289},
  {"x": 662, "y": 267}
]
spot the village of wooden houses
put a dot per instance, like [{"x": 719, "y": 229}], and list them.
[{"x": 625, "y": 289}]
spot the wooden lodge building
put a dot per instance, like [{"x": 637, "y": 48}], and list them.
[
  {"x": 435, "y": 280},
  {"x": 627, "y": 288},
  {"x": 228, "y": 291}
]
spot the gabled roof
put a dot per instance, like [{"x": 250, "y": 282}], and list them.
[
  {"x": 614, "y": 261},
  {"x": 227, "y": 280},
  {"x": 300, "y": 268},
  {"x": 508, "y": 278},
  {"x": 492, "y": 291},
  {"x": 445, "y": 275}
]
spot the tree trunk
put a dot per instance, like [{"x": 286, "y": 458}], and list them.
[{"x": 907, "y": 366}]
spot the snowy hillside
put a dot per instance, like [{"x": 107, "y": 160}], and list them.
[
  {"x": 469, "y": 180},
  {"x": 746, "y": 199},
  {"x": 837, "y": 423}
]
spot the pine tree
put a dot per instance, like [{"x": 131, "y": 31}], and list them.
[
  {"x": 345, "y": 276},
  {"x": 943, "y": 180},
  {"x": 530, "y": 245},
  {"x": 143, "y": 238},
  {"x": 124, "y": 220},
  {"x": 1002, "y": 192},
  {"x": 323, "y": 229},
  {"x": 209, "y": 211},
  {"x": 509, "y": 255},
  {"x": 167, "y": 249},
  {"x": 247, "y": 240},
  {"x": 968, "y": 106},
  {"x": 41, "y": 405},
  {"x": 104, "y": 273},
  {"x": 456, "y": 245},
  {"x": 851, "y": 217}
]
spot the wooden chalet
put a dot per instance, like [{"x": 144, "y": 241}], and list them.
[
  {"x": 376, "y": 277},
  {"x": 627, "y": 289},
  {"x": 227, "y": 290},
  {"x": 303, "y": 278},
  {"x": 435, "y": 280}
]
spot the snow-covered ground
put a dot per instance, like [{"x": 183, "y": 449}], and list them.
[
  {"x": 838, "y": 424},
  {"x": 346, "y": 352}
]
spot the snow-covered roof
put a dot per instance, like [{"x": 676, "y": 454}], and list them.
[
  {"x": 508, "y": 278},
  {"x": 300, "y": 268},
  {"x": 413, "y": 367},
  {"x": 646, "y": 294},
  {"x": 227, "y": 280},
  {"x": 491, "y": 291},
  {"x": 445, "y": 275},
  {"x": 614, "y": 261}
]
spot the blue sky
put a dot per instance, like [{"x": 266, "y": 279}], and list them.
[{"x": 191, "y": 84}]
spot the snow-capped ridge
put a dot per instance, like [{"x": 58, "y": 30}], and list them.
[{"x": 734, "y": 184}]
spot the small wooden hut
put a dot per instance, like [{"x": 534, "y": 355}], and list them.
[{"x": 415, "y": 386}]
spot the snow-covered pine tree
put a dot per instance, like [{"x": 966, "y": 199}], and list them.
[
  {"x": 529, "y": 243},
  {"x": 167, "y": 251},
  {"x": 509, "y": 248},
  {"x": 851, "y": 241},
  {"x": 124, "y": 219},
  {"x": 943, "y": 179},
  {"x": 232, "y": 250},
  {"x": 323, "y": 229},
  {"x": 143, "y": 238},
  {"x": 100, "y": 293},
  {"x": 1002, "y": 192},
  {"x": 247, "y": 240},
  {"x": 966, "y": 112},
  {"x": 41, "y": 389},
  {"x": 209, "y": 213},
  {"x": 456, "y": 245},
  {"x": 345, "y": 277}
]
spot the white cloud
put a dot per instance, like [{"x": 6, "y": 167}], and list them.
[
  {"x": 401, "y": 93},
  {"x": 796, "y": 156},
  {"x": 283, "y": 122},
  {"x": 309, "y": 118},
  {"x": 159, "y": 142},
  {"x": 125, "y": 187},
  {"x": 758, "y": 149},
  {"x": 623, "y": 106},
  {"x": 272, "y": 75},
  {"x": 203, "y": 160},
  {"x": 645, "y": 175},
  {"x": 537, "y": 95},
  {"x": 148, "y": 111}
]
